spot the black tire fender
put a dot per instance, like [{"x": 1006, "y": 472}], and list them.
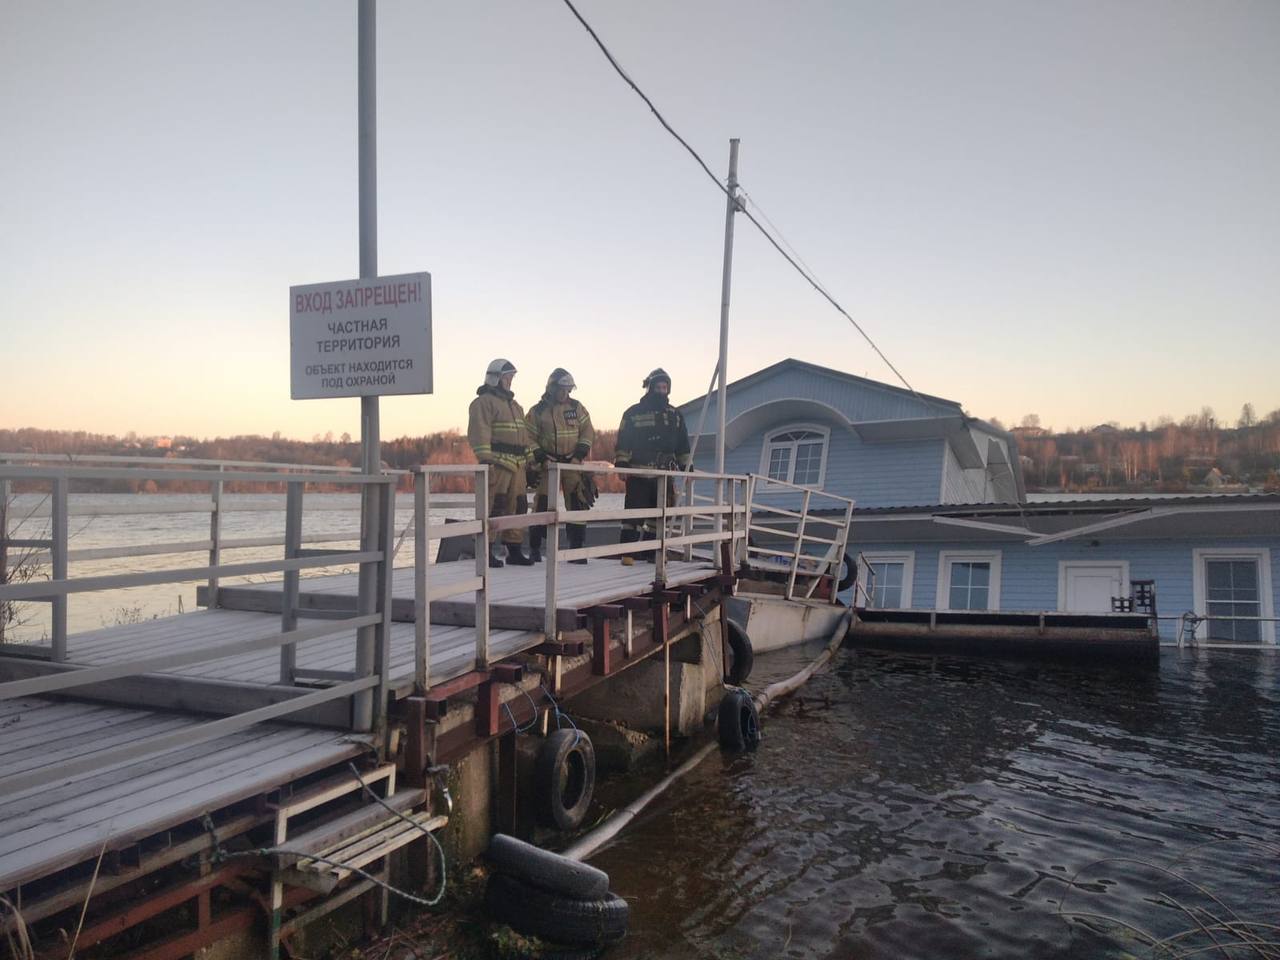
[
  {"x": 741, "y": 657},
  {"x": 564, "y": 779},
  {"x": 848, "y": 573},
  {"x": 547, "y": 870},
  {"x": 534, "y": 911},
  {"x": 738, "y": 722}
]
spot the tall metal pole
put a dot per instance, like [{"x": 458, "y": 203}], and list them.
[
  {"x": 731, "y": 207},
  {"x": 371, "y": 445},
  {"x": 368, "y": 134}
]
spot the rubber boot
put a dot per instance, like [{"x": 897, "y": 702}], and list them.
[
  {"x": 495, "y": 554},
  {"x": 577, "y": 538},
  {"x": 516, "y": 557},
  {"x": 536, "y": 535},
  {"x": 629, "y": 535}
]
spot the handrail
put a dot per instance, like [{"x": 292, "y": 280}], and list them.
[
  {"x": 126, "y": 458},
  {"x": 372, "y": 622},
  {"x": 802, "y": 563}
]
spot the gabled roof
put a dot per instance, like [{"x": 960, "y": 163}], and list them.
[{"x": 793, "y": 364}]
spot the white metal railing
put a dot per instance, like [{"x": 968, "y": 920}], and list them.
[
  {"x": 794, "y": 549},
  {"x": 39, "y": 550},
  {"x": 371, "y": 619},
  {"x": 424, "y": 592},
  {"x": 679, "y": 527},
  {"x": 1190, "y": 622}
]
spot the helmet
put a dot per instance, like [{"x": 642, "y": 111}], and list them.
[
  {"x": 560, "y": 377},
  {"x": 497, "y": 370},
  {"x": 656, "y": 375}
]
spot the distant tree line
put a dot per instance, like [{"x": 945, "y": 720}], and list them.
[
  {"x": 1197, "y": 453},
  {"x": 444, "y": 447}
]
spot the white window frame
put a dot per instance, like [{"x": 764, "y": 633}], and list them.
[
  {"x": 769, "y": 445},
  {"x": 1126, "y": 586},
  {"x": 947, "y": 557},
  {"x": 905, "y": 557},
  {"x": 1199, "y": 583}
]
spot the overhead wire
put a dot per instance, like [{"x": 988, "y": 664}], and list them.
[{"x": 806, "y": 274}]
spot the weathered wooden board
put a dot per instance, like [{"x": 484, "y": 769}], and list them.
[{"x": 46, "y": 829}]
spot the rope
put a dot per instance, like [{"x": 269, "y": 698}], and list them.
[{"x": 220, "y": 853}]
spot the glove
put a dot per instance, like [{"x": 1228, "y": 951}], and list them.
[{"x": 540, "y": 455}]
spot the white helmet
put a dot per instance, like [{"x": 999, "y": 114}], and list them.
[{"x": 497, "y": 370}]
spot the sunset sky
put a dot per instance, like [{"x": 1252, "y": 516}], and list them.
[{"x": 1068, "y": 208}]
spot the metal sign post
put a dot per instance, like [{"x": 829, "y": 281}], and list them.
[{"x": 370, "y": 442}]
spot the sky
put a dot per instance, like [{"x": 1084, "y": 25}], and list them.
[{"x": 1066, "y": 208}]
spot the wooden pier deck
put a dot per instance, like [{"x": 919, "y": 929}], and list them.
[
  {"x": 48, "y": 828},
  {"x": 246, "y": 612}
]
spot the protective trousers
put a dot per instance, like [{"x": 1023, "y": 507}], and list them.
[
  {"x": 507, "y": 498},
  {"x": 571, "y": 484}
]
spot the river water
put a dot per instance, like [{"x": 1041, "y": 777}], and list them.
[{"x": 916, "y": 806}]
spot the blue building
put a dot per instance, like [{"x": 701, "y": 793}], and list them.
[{"x": 943, "y": 521}]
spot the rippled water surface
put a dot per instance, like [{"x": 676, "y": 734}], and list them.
[{"x": 915, "y": 806}]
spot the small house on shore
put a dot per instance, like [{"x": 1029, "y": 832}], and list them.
[{"x": 943, "y": 522}]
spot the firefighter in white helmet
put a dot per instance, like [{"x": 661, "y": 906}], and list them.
[
  {"x": 498, "y": 434},
  {"x": 560, "y": 429}
]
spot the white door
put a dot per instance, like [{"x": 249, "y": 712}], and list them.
[{"x": 1089, "y": 587}]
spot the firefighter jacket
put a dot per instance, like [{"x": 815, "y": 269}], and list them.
[
  {"x": 652, "y": 434},
  {"x": 560, "y": 431},
  {"x": 496, "y": 429}
]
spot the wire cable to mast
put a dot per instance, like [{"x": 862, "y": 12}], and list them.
[{"x": 725, "y": 190}]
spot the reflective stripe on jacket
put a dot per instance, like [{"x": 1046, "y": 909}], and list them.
[
  {"x": 652, "y": 431},
  {"x": 561, "y": 429},
  {"x": 496, "y": 429}
]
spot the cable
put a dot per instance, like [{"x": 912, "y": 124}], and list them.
[
  {"x": 725, "y": 190},
  {"x": 559, "y": 713},
  {"x": 417, "y": 826}
]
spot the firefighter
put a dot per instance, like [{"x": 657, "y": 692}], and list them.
[
  {"x": 652, "y": 434},
  {"x": 497, "y": 433},
  {"x": 560, "y": 430}
]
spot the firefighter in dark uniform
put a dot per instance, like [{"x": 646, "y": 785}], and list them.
[
  {"x": 498, "y": 434},
  {"x": 560, "y": 429},
  {"x": 652, "y": 434}
]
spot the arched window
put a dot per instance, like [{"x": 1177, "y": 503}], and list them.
[{"x": 796, "y": 454}]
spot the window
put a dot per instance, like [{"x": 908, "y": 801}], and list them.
[
  {"x": 796, "y": 454},
  {"x": 1230, "y": 584},
  {"x": 968, "y": 580},
  {"x": 886, "y": 580}
]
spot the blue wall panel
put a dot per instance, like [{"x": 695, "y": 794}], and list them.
[{"x": 1029, "y": 575}]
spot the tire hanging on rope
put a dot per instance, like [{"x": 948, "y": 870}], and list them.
[
  {"x": 564, "y": 779},
  {"x": 741, "y": 657}
]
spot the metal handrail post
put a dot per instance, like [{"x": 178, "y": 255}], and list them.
[
  {"x": 795, "y": 556},
  {"x": 844, "y": 548},
  {"x": 289, "y": 594},
  {"x": 59, "y": 567},
  {"x": 421, "y": 582},
  {"x": 552, "y": 556},
  {"x": 215, "y": 537},
  {"x": 382, "y": 629},
  {"x": 367, "y": 603},
  {"x": 660, "y": 556},
  {"x": 686, "y": 527},
  {"x": 4, "y": 546},
  {"x": 482, "y": 568}
]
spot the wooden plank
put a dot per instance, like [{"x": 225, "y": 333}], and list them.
[
  {"x": 358, "y": 822},
  {"x": 196, "y": 695},
  {"x": 72, "y": 846},
  {"x": 181, "y": 737}
]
